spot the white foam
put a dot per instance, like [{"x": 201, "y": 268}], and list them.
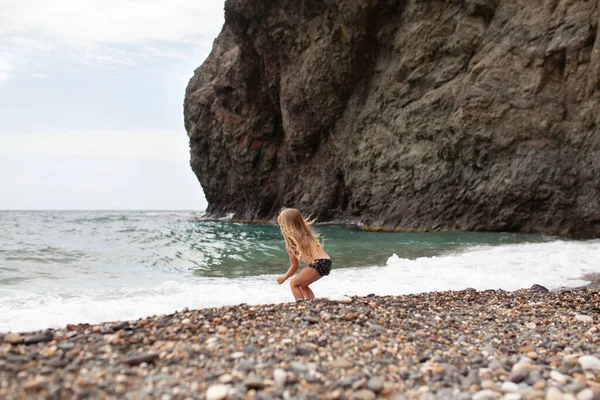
[{"x": 508, "y": 267}]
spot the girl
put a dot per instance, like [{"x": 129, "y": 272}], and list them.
[{"x": 302, "y": 243}]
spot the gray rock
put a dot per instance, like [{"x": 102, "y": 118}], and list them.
[
  {"x": 249, "y": 349},
  {"x": 246, "y": 365},
  {"x": 148, "y": 358},
  {"x": 39, "y": 338},
  {"x": 574, "y": 387},
  {"x": 298, "y": 366},
  {"x": 283, "y": 91},
  {"x": 518, "y": 376},
  {"x": 445, "y": 394},
  {"x": 262, "y": 395},
  {"x": 347, "y": 382},
  {"x": 359, "y": 383},
  {"x": 539, "y": 288},
  {"x": 375, "y": 384},
  {"x": 533, "y": 377},
  {"x": 472, "y": 378}
]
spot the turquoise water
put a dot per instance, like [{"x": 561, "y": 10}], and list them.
[{"x": 259, "y": 249}]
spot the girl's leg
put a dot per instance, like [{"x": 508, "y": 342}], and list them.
[
  {"x": 300, "y": 283},
  {"x": 307, "y": 292}
]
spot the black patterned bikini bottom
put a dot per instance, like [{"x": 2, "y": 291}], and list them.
[{"x": 322, "y": 265}]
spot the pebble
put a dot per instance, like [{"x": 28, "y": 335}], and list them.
[
  {"x": 298, "y": 366},
  {"x": 350, "y": 316},
  {"x": 254, "y": 382},
  {"x": 217, "y": 392},
  {"x": 486, "y": 395},
  {"x": 558, "y": 377},
  {"x": 39, "y": 338},
  {"x": 518, "y": 376},
  {"x": 245, "y": 366},
  {"x": 589, "y": 362},
  {"x": 586, "y": 394},
  {"x": 13, "y": 338},
  {"x": 142, "y": 358},
  {"x": 72, "y": 327},
  {"x": 34, "y": 384},
  {"x": 363, "y": 394},
  {"x": 341, "y": 363},
  {"x": 554, "y": 394},
  {"x": 425, "y": 346},
  {"x": 375, "y": 384},
  {"x": 509, "y": 387},
  {"x": 584, "y": 318},
  {"x": 279, "y": 376},
  {"x": 341, "y": 299},
  {"x": 222, "y": 329},
  {"x": 512, "y": 396},
  {"x": 489, "y": 384},
  {"x": 539, "y": 288},
  {"x": 574, "y": 387}
]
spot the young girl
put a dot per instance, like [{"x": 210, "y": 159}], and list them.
[{"x": 302, "y": 243}]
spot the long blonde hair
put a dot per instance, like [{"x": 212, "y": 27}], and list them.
[{"x": 299, "y": 235}]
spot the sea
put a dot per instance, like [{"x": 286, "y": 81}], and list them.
[{"x": 68, "y": 267}]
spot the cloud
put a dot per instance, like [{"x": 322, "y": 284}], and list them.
[
  {"x": 139, "y": 144},
  {"x": 107, "y": 33},
  {"x": 29, "y": 43},
  {"x": 93, "y": 22},
  {"x": 39, "y": 76},
  {"x": 5, "y": 69}
]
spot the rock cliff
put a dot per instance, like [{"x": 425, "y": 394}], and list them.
[{"x": 408, "y": 114}]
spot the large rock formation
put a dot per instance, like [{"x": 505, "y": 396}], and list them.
[{"x": 425, "y": 114}]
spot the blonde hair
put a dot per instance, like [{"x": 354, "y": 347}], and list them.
[{"x": 299, "y": 235}]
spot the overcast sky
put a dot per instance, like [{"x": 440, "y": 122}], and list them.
[{"x": 91, "y": 102}]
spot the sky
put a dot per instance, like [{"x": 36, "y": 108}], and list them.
[{"x": 91, "y": 102}]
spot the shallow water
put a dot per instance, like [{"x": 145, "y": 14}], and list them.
[{"x": 60, "y": 267}]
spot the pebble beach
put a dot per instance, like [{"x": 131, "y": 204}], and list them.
[{"x": 468, "y": 344}]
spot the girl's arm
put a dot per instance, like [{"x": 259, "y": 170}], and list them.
[{"x": 291, "y": 271}]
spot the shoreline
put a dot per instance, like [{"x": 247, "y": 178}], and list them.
[
  {"x": 389, "y": 229},
  {"x": 452, "y": 344}
]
